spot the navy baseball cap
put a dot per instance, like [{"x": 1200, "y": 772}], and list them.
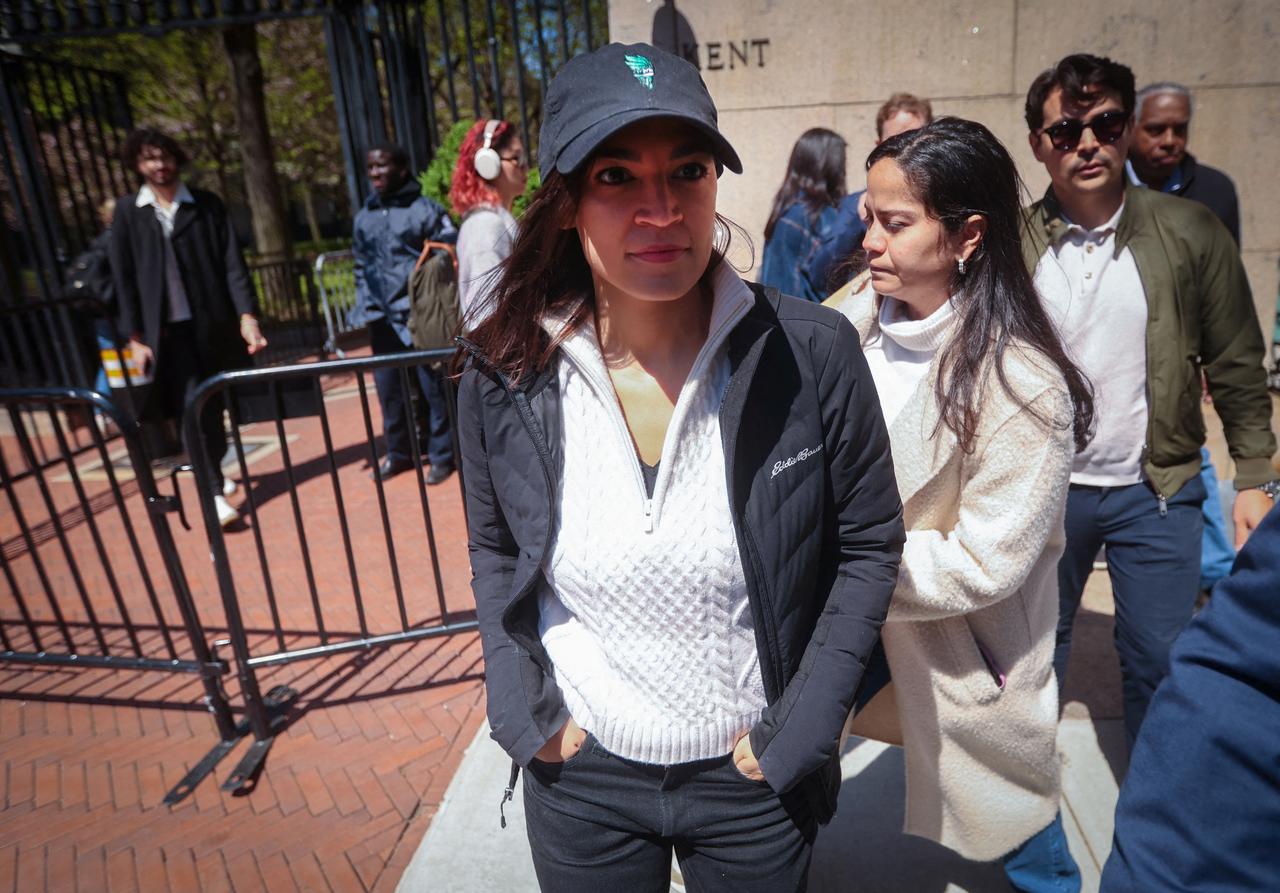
[{"x": 597, "y": 94}]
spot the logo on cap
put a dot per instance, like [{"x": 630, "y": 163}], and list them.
[{"x": 642, "y": 68}]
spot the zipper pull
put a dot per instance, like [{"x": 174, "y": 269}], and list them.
[
  {"x": 648, "y": 516},
  {"x": 1164, "y": 505},
  {"x": 508, "y": 793}
]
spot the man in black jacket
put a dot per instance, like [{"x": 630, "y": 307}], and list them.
[
  {"x": 389, "y": 234},
  {"x": 1158, "y": 156},
  {"x": 182, "y": 289}
]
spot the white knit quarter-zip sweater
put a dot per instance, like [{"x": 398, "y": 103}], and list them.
[{"x": 647, "y": 621}]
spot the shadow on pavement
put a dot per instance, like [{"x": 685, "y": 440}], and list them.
[{"x": 863, "y": 849}]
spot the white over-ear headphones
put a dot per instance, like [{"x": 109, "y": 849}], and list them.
[{"x": 488, "y": 163}]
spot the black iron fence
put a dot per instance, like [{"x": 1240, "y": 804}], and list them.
[
  {"x": 409, "y": 70},
  {"x": 336, "y": 560},
  {"x": 92, "y": 573},
  {"x": 63, "y": 126},
  {"x": 400, "y": 70}
]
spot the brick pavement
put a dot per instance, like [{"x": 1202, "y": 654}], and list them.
[{"x": 373, "y": 740}]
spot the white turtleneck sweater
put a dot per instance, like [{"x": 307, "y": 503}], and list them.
[
  {"x": 647, "y": 622},
  {"x": 900, "y": 355}
]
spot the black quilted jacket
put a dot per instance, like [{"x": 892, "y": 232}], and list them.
[{"x": 820, "y": 541}]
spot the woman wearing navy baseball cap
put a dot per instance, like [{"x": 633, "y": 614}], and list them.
[{"x": 684, "y": 524}]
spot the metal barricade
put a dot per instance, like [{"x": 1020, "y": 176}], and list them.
[
  {"x": 288, "y": 309},
  {"x": 334, "y": 552},
  {"x": 87, "y": 586},
  {"x": 336, "y": 279}
]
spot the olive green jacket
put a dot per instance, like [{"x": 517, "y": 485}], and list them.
[{"x": 1200, "y": 314}]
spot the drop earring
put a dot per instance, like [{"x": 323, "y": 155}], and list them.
[{"x": 960, "y": 265}]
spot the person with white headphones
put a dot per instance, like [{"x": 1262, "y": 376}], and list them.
[{"x": 489, "y": 176}]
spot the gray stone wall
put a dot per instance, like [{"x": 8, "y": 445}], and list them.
[{"x": 779, "y": 67}]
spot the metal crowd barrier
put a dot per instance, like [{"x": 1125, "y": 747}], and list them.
[
  {"x": 89, "y": 586},
  {"x": 335, "y": 277},
  {"x": 341, "y": 569},
  {"x": 288, "y": 309}
]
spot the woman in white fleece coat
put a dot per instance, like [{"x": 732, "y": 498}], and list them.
[{"x": 985, "y": 412}]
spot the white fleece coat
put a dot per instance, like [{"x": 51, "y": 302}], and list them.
[{"x": 977, "y": 599}]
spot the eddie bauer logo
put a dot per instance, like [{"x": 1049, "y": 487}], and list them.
[{"x": 784, "y": 464}]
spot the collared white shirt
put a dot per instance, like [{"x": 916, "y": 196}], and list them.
[
  {"x": 1095, "y": 297},
  {"x": 179, "y": 306}
]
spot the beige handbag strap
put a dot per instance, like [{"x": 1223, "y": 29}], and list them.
[{"x": 428, "y": 247}]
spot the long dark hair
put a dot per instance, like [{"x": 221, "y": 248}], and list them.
[
  {"x": 546, "y": 272},
  {"x": 956, "y": 169},
  {"x": 815, "y": 176}
]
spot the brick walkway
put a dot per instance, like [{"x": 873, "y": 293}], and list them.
[{"x": 373, "y": 740}]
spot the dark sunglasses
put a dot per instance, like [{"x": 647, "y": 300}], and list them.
[
  {"x": 520, "y": 160},
  {"x": 1107, "y": 128}
]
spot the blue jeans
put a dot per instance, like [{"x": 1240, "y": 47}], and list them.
[
  {"x": 600, "y": 822},
  {"x": 1044, "y": 864},
  {"x": 1153, "y": 557},
  {"x": 1218, "y": 551},
  {"x": 1041, "y": 865},
  {"x": 397, "y": 417}
]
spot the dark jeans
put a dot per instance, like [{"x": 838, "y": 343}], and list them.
[
  {"x": 599, "y": 822},
  {"x": 177, "y": 377},
  {"x": 397, "y": 416},
  {"x": 1153, "y": 557}
]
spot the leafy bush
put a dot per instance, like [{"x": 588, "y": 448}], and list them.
[{"x": 438, "y": 176}]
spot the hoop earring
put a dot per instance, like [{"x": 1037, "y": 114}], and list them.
[{"x": 960, "y": 265}]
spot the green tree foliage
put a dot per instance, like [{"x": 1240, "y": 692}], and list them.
[
  {"x": 461, "y": 42},
  {"x": 180, "y": 82},
  {"x": 438, "y": 176},
  {"x": 300, "y": 107}
]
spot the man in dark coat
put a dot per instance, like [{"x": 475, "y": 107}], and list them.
[
  {"x": 389, "y": 234},
  {"x": 182, "y": 289},
  {"x": 1158, "y": 155},
  {"x": 1200, "y": 807}
]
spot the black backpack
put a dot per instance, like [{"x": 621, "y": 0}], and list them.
[
  {"x": 434, "y": 312},
  {"x": 88, "y": 280}
]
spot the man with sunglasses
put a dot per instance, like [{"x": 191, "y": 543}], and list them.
[{"x": 1146, "y": 290}]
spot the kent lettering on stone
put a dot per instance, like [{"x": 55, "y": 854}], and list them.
[{"x": 731, "y": 54}]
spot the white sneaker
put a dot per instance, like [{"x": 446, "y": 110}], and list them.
[
  {"x": 226, "y": 514},
  {"x": 229, "y": 487}
]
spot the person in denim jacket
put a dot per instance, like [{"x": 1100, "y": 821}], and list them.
[{"x": 803, "y": 212}]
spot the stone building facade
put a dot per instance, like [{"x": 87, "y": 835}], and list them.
[{"x": 779, "y": 67}]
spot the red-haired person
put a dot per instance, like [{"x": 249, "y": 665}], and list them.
[{"x": 489, "y": 176}]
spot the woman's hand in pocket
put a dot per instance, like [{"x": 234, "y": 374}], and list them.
[
  {"x": 744, "y": 759},
  {"x": 563, "y": 744}
]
